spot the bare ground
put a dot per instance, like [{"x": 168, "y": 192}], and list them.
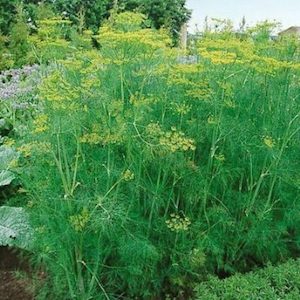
[{"x": 12, "y": 285}]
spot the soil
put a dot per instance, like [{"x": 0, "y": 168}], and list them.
[{"x": 13, "y": 287}]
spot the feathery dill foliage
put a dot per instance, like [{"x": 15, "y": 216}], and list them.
[{"x": 146, "y": 174}]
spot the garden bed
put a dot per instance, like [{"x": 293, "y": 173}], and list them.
[{"x": 14, "y": 276}]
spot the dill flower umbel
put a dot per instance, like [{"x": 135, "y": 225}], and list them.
[
  {"x": 182, "y": 108},
  {"x": 128, "y": 175},
  {"x": 220, "y": 157},
  {"x": 269, "y": 142},
  {"x": 37, "y": 147},
  {"x": 154, "y": 130},
  {"x": 211, "y": 120},
  {"x": 176, "y": 141},
  {"x": 25, "y": 149},
  {"x": 9, "y": 142},
  {"x": 219, "y": 57},
  {"x": 172, "y": 140},
  {"x": 80, "y": 221},
  {"x": 41, "y": 123},
  {"x": 90, "y": 138},
  {"x": 178, "y": 223}
]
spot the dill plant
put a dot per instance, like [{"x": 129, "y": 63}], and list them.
[{"x": 145, "y": 174}]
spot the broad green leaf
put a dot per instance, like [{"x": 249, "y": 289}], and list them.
[
  {"x": 7, "y": 155},
  {"x": 15, "y": 229},
  {"x": 6, "y": 177}
]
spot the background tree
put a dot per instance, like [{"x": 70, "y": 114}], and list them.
[
  {"x": 19, "y": 44},
  {"x": 95, "y": 11},
  {"x": 7, "y": 12},
  {"x": 171, "y": 14}
]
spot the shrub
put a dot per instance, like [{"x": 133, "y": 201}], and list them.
[{"x": 282, "y": 282}]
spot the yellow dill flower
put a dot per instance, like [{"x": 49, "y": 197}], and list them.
[
  {"x": 115, "y": 107},
  {"x": 130, "y": 41},
  {"x": 229, "y": 103},
  {"x": 60, "y": 91},
  {"x": 154, "y": 130},
  {"x": 36, "y": 147},
  {"x": 112, "y": 138},
  {"x": 242, "y": 49},
  {"x": 177, "y": 223},
  {"x": 9, "y": 142},
  {"x": 269, "y": 141},
  {"x": 199, "y": 94},
  {"x": 80, "y": 221},
  {"x": 128, "y": 175},
  {"x": 54, "y": 21},
  {"x": 220, "y": 157},
  {"x": 87, "y": 32},
  {"x": 187, "y": 69},
  {"x": 182, "y": 108},
  {"x": 42, "y": 147},
  {"x": 212, "y": 120},
  {"x": 13, "y": 164},
  {"x": 90, "y": 138},
  {"x": 72, "y": 64},
  {"x": 40, "y": 123},
  {"x": 178, "y": 80},
  {"x": 219, "y": 57},
  {"x": 140, "y": 100},
  {"x": 176, "y": 141},
  {"x": 90, "y": 82},
  {"x": 26, "y": 149},
  {"x": 200, "y": 90},
  {"x": 172, "y": 140}
]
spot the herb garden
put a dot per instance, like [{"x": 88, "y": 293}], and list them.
[{"x": 128, "y": 174}]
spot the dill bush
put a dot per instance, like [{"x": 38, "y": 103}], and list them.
[{"x": 144, "y": 174}]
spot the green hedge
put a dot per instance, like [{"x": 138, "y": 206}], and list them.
[{"x": 282, "y": 282}]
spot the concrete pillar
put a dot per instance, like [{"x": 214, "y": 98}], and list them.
[{"x": 183, "y": 36}]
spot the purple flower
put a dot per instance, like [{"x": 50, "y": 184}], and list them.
[{"x": 13, "y": 82}]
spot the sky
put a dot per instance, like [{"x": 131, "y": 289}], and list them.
[{"x": 285, "y": 11}]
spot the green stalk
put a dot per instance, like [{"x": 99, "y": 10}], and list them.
[
  {"x": 153, "y": 201},
  {"x": 78, "y": 254},
  {"x": 122, "y": 85},
  {"x": 97, "y": 280},
  {"x": 74, "y": 183}
]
